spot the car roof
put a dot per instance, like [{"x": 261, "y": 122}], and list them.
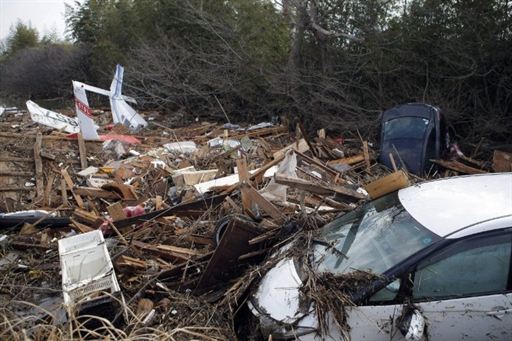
[
  {"x": 461, "y": 205},
  {"x": 411, "y": 110}
]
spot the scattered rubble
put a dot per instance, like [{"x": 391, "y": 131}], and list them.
[{"x": 187, "y": 216}]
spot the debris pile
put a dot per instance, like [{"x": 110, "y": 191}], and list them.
[{"x": 187, "y": 215}]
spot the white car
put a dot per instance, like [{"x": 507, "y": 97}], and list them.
[{"x": 442, "y": 251}]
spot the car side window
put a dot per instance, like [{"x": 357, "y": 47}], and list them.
[
  {"x": 478, "y": 270},
  {"x": 388, "y": 293}
]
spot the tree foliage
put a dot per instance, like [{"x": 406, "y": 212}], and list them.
[
  {"x": 21, "y": 36},
  {"x": 44, "y": 72},
  {"x": 333, "y": 63}
]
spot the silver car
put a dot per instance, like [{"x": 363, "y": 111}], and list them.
[{"x": 441, "y": 255}]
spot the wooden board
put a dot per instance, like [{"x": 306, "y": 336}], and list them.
[
  {"x": 387, "y": 184},
  {"x": 502, "y": 161}
]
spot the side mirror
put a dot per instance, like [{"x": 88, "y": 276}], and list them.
[{"x": 412, "y": 326}]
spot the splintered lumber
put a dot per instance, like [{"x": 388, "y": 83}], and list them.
[
  {"x": 126, "y": 192},
  {"x": 97, "y": 193},
  {"x": 318, "y": 188},
  {"x": 346, "y": 160},
  {"x": 300, "y": 146},
  {"x": 86, "y": 216},
  {"x": 334, "y": 173},
  {"x": 243, "y": 175},
  {"x": 48, "y": 189},
  {"x": 70, "y": 184},
  {"x": 254, "y": 196},
  {"x": 366, "y": 155},
  {"x": 81, "y": 150},
  {"x": 116, "y": 211},
  {"x": 200, "y": 239},
  {"x": 81, "y": 227},
  {"x": 38, "y": 166},
  {"x": 194, "y": 177},
  {"x": 305, "y": 136},
  {"x": 189, "y": 206},
  {"x": 502, "y": 162},
  {"x": 28, "y": 246},
  {"x": 155, "y": 250},
  {"x": 387, "y": 184},
  {"x": 177, "y": 249},
  {"x": 130, "y": 261},
  {"x": 458, "y": 166}
]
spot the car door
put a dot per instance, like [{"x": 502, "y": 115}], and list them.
[{"x": 464, "y": 291}]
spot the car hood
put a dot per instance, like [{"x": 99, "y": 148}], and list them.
[
  {"x": 278, "y": 293},
  {"x": 277, "y": 304}
]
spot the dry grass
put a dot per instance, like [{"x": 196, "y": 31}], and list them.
[{"x": 187, "y": 319}]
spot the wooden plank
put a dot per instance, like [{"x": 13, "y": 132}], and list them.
[
  {"x": 125, "y": 191},
  {"x": 116, "y": 211},
  {"x": 346, "y": 160},
  {"x": 263, "y": 203},
  {"x": 305, "y": 136},
  {"x": 97, "y": 193},
  {"x": 387, "y": 184},
  {"x": 202, "y": 203},
  {"x": 243, "y": 176},
  {"x": 81, "y": 227},
  {"x": 158, "y": 202},
  {"x": 502, "y": 161},
  {"x": 233, "y": 205},
  {"x": 300, "y": 146},
  {"x": 38, "y": 167},
  {"x": 195, "y": 177},
  {"x": 366, "y": 156},
  {"x": 258, "y": 175},
  {"x": 334, "y": 173},
  {"x": 16, "y": 173},
  {"x": 81, "y": 150},
  {"x": 48, "y": 189},
  {"x": 458, "y": 166},
  {"x": 64, "y": 192},
  {"x": 161, "y": 253},
  {"x": 130, "y": 261},
  {"x": 15, "y": 159},
  {"x": 89, "y": 217},
  {"x": 393, "y": 163},
  {"x": 70, "y": 184},
  {"x": 183, "y": 250},
  {"x": 200, "y": 239},
  {"x": 318, "y": 188}
]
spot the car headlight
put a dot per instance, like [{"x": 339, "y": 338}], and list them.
[{"x": 278, "y": 330}]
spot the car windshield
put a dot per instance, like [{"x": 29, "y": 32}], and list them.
[
  {"x": 375, "y": 237},
  {"x": 405, "y": 128}
]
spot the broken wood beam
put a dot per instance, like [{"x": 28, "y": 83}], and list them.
[
  {"x": 502, "y": 161},
  {"x": 334, "y": 173},
  {"x": 346, "y": 160},
  {"x": 458, "y": 167},
  {"x": 387, "y": 184},
  {"x": 153, "y": 249},
  {"x": 97, "y": 193},
  {"x": 71, "y": 186},
  {"x": 318, "y": 188},
  {"x": 254, "y": 196},
  {"x": 38, "y": 167}
]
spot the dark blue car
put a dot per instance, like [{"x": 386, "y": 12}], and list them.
[{"x": 413, "y": 134}]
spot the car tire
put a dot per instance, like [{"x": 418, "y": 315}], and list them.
[{"x": 222, "y": 224}]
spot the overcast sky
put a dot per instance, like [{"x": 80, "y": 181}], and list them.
[{"x": 44, "y": 15}]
